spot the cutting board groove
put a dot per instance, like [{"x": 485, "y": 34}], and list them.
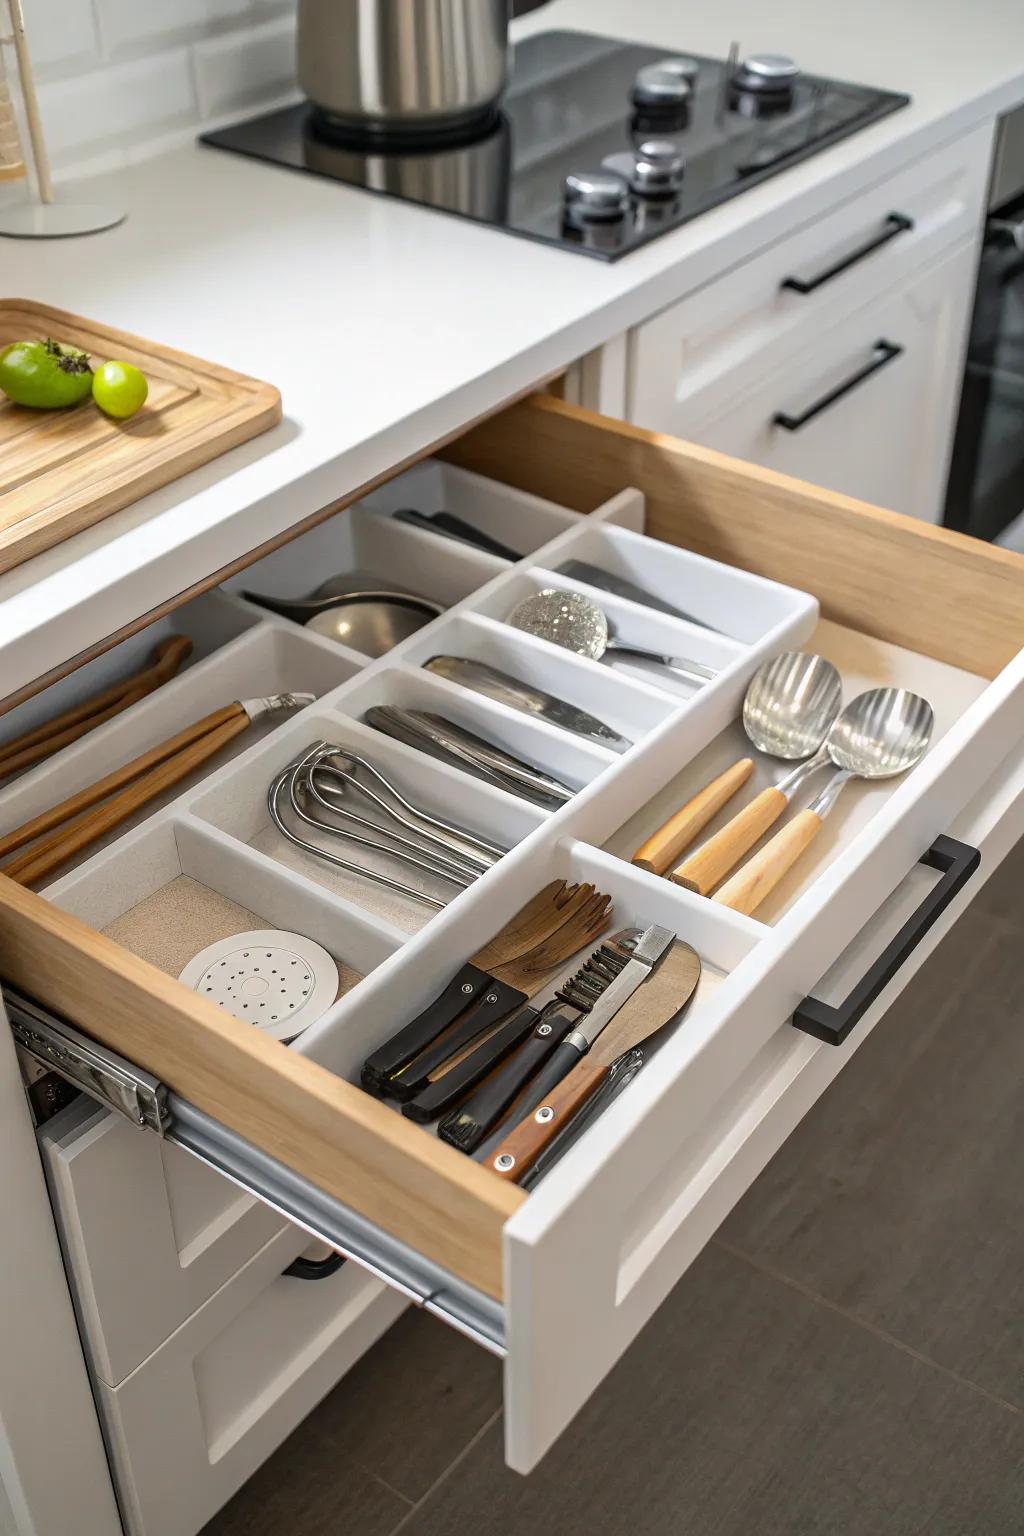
[{"x": 62, "y": 471}]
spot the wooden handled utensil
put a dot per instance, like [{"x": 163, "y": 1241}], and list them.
[
  {"x": 656, "y": 1003},
  {"x": 879, "y": 734},
  {"x": 788, "y": 710},
  {"x": 534, "y": 922},
  {"x": 45, "y": 740},
  {"x": 511, "y": 985},
  {"x": 130, "y": 787},
  {"x": 664, "y": 846}
]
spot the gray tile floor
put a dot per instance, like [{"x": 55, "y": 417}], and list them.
[{"x": 845, "y": 1359}]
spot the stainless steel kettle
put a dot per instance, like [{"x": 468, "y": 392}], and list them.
[{"x": 403, "y": 67}]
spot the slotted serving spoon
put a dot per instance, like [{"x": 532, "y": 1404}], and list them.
[
  {"x": 879, "y": 734},
  {"x": 574, "y": 622}
]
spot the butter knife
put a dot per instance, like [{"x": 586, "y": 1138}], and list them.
[{"x": 516, "y": 694}]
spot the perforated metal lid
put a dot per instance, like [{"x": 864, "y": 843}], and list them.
[{"x": 278, "y": 981}]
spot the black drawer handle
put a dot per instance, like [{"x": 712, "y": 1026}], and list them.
[
  {"x": 895, "y": 224},
  {"x": 958, "y": 862},
  {"x": 883, "y": 352},
  {"x": 314, "y": 1269}
]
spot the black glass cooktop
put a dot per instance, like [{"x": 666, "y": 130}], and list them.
[{"x": 573, "y": 108}]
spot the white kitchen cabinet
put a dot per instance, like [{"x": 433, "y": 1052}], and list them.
[
  {"x": 562, "y": 1279},
  {"x": 852, "y": 412},
  {"x": 787, "y": 327}
]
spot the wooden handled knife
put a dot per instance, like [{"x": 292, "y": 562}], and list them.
[{"x": 653, "y": 1005}]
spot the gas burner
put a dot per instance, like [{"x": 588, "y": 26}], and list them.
[
  {"x": 763, "y": 85},
  {"x": 600, "y": 145},
  {"x": 594, "y": 197}
]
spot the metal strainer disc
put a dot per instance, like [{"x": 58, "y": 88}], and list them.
[{"x": 279, "y": 981}]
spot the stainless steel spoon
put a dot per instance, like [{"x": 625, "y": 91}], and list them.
[
  {"x": 577, "y": 624},
  {"x": 790, "y": 705},
  {"x": 879, "y": 734}
]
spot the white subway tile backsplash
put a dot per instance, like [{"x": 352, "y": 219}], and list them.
[
  {"x": 128, "y": 77},
  {"x": 60, "y": 33},
  {"x": 120, "y": 104},
  {"x": 138, "y": 25},
  {"x": 245, "y": 67}
]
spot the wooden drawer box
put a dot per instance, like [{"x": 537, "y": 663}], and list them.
[{"x": 606, "y": 1234}]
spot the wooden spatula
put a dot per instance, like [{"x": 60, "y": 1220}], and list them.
[
  {"x": 541, "y": 916},
  {"x": 653, "y": 1005}
]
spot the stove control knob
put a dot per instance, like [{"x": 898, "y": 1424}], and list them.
[
  {"x": 767, "y": 72},
  {"x": 668, "y": 83},
  {"x": 657, "y": 169},
  {"x": 595, "y": 197}
]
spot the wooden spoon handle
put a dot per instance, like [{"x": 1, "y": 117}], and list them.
[
  {"x": 48, "y": 856},
  {"x": 525, "y": 1142},
  {"x": 761, "y": 874},
  {"x": 116, "y": 780},
  {"x": 663, "y": 847},
  {"x": 63, "y": 729},
  {"x": 703, "y": 870}
]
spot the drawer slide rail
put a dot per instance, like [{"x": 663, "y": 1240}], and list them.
[{"x": 144, "y": 1100}]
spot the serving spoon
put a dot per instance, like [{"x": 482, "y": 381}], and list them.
[
  {"x": 577, "y": 624},
  {"x": 879, "y": 734},
  {"x": 790, "y": 705}
]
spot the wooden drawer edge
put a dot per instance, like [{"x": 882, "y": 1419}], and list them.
[
  {"x": 425, "y": 1193},
  {"x": 888, "y": 575}
]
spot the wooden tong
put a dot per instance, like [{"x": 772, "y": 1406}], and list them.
[
  {"x": 120, "y": 794},
  {"x": 60, "y": 732}
]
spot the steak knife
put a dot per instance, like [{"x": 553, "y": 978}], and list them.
[{"x": 585, "y": 1058}]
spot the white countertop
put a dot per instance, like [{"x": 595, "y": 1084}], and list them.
[{"x": 387, "y": 326}]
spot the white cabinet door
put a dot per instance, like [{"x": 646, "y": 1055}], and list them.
[{"x": 868, "y": 409}]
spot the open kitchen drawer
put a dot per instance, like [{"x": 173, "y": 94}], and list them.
[{"x": 562, "y": 1279}]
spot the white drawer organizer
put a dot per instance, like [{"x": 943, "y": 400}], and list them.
[{"x": 607, "y": 1233}]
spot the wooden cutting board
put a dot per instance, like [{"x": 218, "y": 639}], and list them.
[{"x": 62, "y": 471}]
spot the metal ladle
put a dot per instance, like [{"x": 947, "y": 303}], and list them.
[
  {"x": 879, "y": 734},
  {"x": 790, "y": 705},
  {"x": 577, "y": 624}
]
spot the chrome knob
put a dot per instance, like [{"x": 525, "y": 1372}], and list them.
[
  {"x": 668, "y": 83},
  {"x": 767, "y": 72},
  {"x": 657, "y": 169},
  {"x": 595, "y": 197}
]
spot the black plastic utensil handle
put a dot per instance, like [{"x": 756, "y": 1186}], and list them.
[
  {"x": 496, "y": 1002},
  {"x": 467, "y": 1126},
  {"x": 884, "y": 353},
  {"x": 473, "y": 535},
  {"x": 558, "y": 1065},
  {"x": 389, "y": 1058},
  {"x": 314, "y": 1269},
  {"x": 895, "y": 224},
  {"x": 454, "y": 1084},
  {"x": 958, "y": 862}
]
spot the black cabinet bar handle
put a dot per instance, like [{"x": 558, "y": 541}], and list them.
[
  {"x": 957, "y": 861},
  {"x": 883, "y": 352},
  {"x": 314, "y": 1269},
  {"x": 895, "y": 224}
]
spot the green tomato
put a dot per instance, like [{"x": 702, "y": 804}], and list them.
[
  {"x": 119, "y": 389},
  {"x": 44, "y": 374}
]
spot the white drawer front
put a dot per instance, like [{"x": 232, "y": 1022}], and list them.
[
  {"x": 149, "y": 1234},
  {"x": 747, "y": 323},
  {"x": 884, "y": 435},
  {"x": 191, "y": 1424},
  {"x": 605, "y": 1237}
]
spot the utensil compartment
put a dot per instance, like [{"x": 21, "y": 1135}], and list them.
[
  {"x": 616, "y": 1222},
  {"x": 863, "y": 663}
]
